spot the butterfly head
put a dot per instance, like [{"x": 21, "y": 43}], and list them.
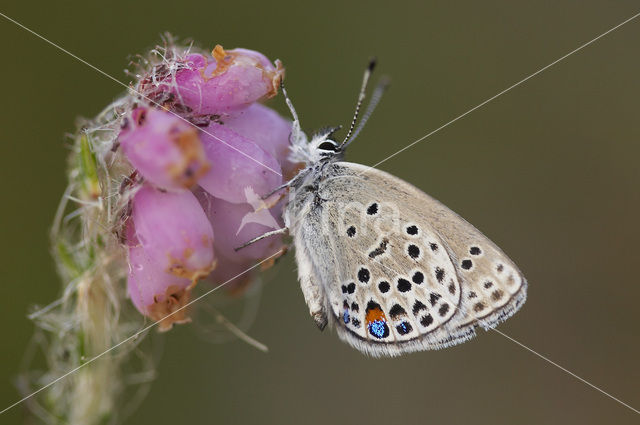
[{"x": 323, "y": 146}]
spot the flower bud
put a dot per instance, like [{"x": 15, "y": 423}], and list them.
[
  {"x": 266, "y": 128},
  {"x": 235, "y": 224},
  {"x": 154, "y": 292},
  {"x": 165, "y": 149},
  {"x": 237, "y": 163},
  {"x": 225, "y": 81},
  {"x": 174, "y": 232}
]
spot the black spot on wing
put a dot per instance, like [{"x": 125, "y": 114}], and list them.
[
  {"x": 412, "y": 230},
  {"x": 380, "y": 249},
  {"x": 384, "y": 286},
  {"x": 413, "y": 251},
  {"x": 397, "y": 311},
  {"x": 496, "y": 295},
  {"x": 372, "y": 305},
  {"x": 418, "y": 278},
  {"x": 404, "y": 285},
  {"x": 439, "y": 274},
  {"x": 426, "y": 320},
  {"x": 364, "y": 275},
  {"x": 417, "y": 307}
]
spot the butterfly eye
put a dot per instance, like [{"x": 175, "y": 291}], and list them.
[{"x": 327, "y": 146}]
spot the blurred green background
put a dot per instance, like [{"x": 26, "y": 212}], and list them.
[{"x": 549, "y": 171}]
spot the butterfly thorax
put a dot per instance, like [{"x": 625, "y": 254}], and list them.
[
  {"x": 304, "y": 190},
  {"x": 317, "y": 155}
]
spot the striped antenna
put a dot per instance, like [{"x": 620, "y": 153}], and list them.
[
  {"x": 363, "y": 89},
  {"x": 375, "y": 98}
]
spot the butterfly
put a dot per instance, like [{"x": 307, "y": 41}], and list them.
[{"x": 389, "y": 267}]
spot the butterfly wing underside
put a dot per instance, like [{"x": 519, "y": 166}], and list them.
[{"x": 396, "y": 271}]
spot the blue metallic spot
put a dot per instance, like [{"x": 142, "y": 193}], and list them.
[
  {"x": 404, "y": 328},
  {"x": 345, "y": 317},
  {"x": 379, "y": 329}
]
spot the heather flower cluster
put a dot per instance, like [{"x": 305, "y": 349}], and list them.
[
  {"x": 163, "y": 184},
  {"x": 204, "y": 153}
]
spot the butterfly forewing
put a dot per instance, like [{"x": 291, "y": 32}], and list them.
[{"x": 399, "y": 271}]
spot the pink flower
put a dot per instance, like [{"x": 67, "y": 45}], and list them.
[
  {"x": 266, "y": 128},
  {"x": 238, "y": 163},
  {"x": 165, "y": 149},
  {"x": 174, "y": 232},
  {"x": 224, "y": 82},
  {"x": 154, "y": 292},
  {"x": 235, "y": 224},
  {"x": 216, "y": 167}
]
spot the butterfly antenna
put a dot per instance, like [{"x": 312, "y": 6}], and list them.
[
  {"x": 296, "y": 130},
  {"x": 375, "y": 99},
  {"x": 363, "y": 90},
  {"x": 289, "y": 103}
]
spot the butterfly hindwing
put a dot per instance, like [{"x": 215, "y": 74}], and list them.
[{"x": 398, "y": 271}]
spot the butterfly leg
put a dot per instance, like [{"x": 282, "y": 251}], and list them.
[
  {"x": 276, "y": 190},
  {"x": 288, "y": 184},
  {"x": 263, "y": 236}
]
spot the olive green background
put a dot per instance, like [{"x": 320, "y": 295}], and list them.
[{"x": 548, "y": 170}]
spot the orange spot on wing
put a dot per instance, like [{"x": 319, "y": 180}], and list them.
[{"x": 375, "y": 314}]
